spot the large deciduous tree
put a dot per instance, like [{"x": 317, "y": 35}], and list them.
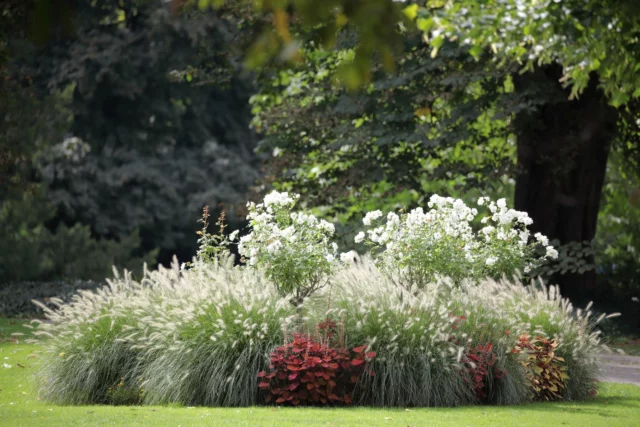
[
  {"x": 561, "y": 75},
  {"x": 585, "y": 51}
]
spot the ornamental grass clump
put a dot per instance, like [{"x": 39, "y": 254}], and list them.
[
  {"x": 194, "y": 336},
  {"x": 425, "y": 340},
  {"x": 83, "y": 357},
  {"x": 413, "y": 249},
  {"x": 217, "y": 328}
]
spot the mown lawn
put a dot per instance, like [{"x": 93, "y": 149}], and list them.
[
  {"x": 616, "y": 405},
  {"x": 10, "y": 326}
]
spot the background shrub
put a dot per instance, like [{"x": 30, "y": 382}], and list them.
[
  {"x": 30, "y": 251},
  {"x": 16, "y": 297}
]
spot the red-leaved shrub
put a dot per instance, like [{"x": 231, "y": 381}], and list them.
[
  {"x": 307, "y": 372},
  {"x": 480, "y": 361}
]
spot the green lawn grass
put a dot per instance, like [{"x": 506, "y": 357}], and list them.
[
  {"x": 10, "y": 326},
  {"x": 616, "y": 405}
]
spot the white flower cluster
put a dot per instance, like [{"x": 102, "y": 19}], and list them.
[
  {"x": 349, "y": 257},
  {"x": 294, "y": 248},
  {"x": 419, "y": 246},
  {"x": 275, "y": 199}
]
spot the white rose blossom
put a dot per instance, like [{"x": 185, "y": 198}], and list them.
[
  {"x": 348, "y": 257},
  {"x": 371, "y": 216}
]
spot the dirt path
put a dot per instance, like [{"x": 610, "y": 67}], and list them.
[{"x": 620, "y": 369}]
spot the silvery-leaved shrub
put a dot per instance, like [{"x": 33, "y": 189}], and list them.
[
  {"x": 293, "y": 248},
  {"x": 415, "y": 248}
]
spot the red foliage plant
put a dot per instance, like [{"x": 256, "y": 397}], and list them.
[
  {"x": 307, "y": 372},
  {"x": 480, "y": 361}
]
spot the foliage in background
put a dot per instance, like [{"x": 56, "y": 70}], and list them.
[
  {"x": 375, "y": 20},
  {"x": 16, "y": 297},
  {"x": 618, "y": 238},
  {"x": 576, "y": 34},
  {"x": 162, "y": 103},
  {"x": 29, "y": 251},
  {"x": 127, "y": 117},
  {"x": 432, "y": 126},
  {"x": 161, "y": 194}
]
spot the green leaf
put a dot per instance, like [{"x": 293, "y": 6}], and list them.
[
  {"x": 425, "y": 24},
  {"x": 411, "y": 11},
  {"x": 508, "y": 84},
  {"x": 476, "y": 51}
]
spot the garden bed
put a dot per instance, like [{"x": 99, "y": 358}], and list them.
[{"x": 427, "y": 319}]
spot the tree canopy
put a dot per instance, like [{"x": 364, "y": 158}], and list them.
[
  {"x": 127, "y": 116},
  {"x": 534, "y": 91},
  {"x": 595, "y": 36}
]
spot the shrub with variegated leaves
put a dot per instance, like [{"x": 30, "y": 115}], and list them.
[{"x": 546, "y": 371}]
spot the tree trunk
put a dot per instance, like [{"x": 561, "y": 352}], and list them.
[{"x": 562, "y": 154}]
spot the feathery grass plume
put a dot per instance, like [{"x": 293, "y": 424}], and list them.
[
  {"x": 209, "y": 340},
  {"x": 83, "y": 356},
  {"x": 195, "y": 337}
]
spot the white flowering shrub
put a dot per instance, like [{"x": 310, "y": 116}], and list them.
[
  {"x": 416, "y": 247},
  {"x": 293, "y": 248}
]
